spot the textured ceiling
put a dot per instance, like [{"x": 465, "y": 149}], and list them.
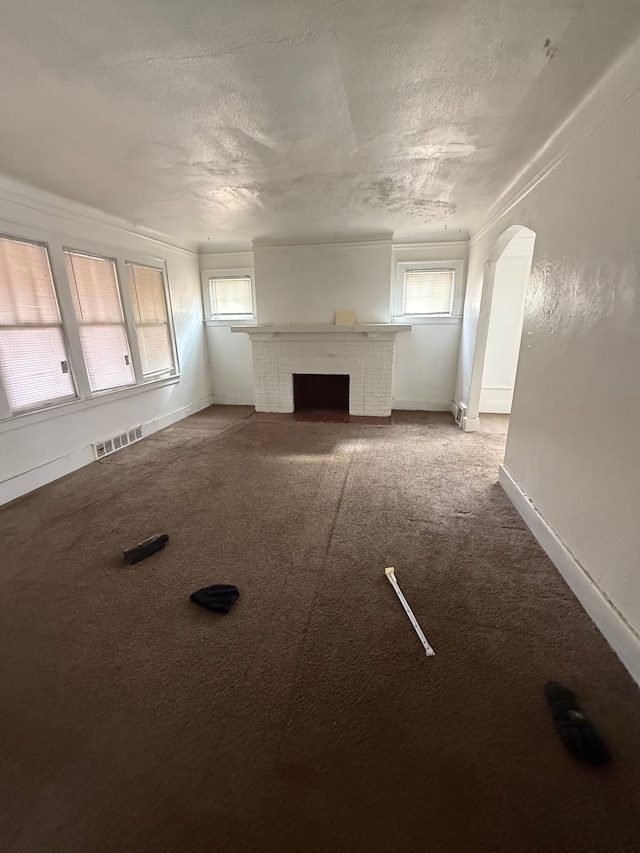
[{"x": 228, "y": 121}]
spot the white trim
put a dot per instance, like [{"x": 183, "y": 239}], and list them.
[
  {"x": 335, "y": 244},
  {"x": 214, "y": 323},
  {"x": 124, "y": 285},
  {"x": 5, "y": 408},
  {"x": 32, "y": 198},
  {"x": 620, "y": 82},
  {"x": 293, "y": 331},
  {"x": 70, "y": 327},
  {"x": 469, "y": 424},
  {"x": 620, "y": 635},
  {"x": 452, "y": 244},
  {"x": 237, "y": 272},
  {"x": 426, "y": 320},
  {"x": 421, "y": 405},
  {"x": 26, "y": 482},
  {"x": 20, "y": 420},
  {"x": 232, "y": 399},
  {"x": 455, "y": 265}
]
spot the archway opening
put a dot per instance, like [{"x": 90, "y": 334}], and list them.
[
  {"x": 506, "y": 318},
  {"x": 507, "y": 274}
]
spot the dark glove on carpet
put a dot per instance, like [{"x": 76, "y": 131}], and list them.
[
  {"x": 578, "y": 733},
  {"x": 220, "y": 597}
]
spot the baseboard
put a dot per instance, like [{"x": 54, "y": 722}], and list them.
[
  {"x": 496, "y": 401},
  {"x": 22, "y": 484},
  {"x": 620, "y": 635},
  {"x": 422, "y": 405},
  {"x": 170, "y": 418},
  {"x": 470, "y": 424},
  {"x": 232, "y": 400}
]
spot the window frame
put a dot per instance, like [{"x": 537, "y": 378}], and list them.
[
  {"x": 6, "y": 412},
  {"x": 55, "y": 246},
  {"x": 114, "y": 260},
  {"x": 454, "y": 315},
  {"x": 207, "y": 297},
  {"x": 161, "y": 266}
]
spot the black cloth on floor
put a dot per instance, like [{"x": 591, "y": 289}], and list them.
[
  {"x": 578, "y": 733},
  {"x": 220, "y": 597}
]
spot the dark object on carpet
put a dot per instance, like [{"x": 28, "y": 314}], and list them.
[
  {"x": 578, "y": 733},
  {"x": 144, "y": 549},
  {"x": 220, "y": 597}
]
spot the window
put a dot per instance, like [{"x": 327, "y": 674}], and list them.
[
  {"x": 151, "y": 317},
  {"x": 427, "y": 291},
  {"x": 34, "y": 364},
  {"x": 231, "y": 297},
  {"x": 96, "y": 298}
]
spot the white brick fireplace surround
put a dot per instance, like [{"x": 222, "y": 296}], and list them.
[{"x": 364, "y": 352}]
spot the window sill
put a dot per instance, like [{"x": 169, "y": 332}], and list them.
[
  {"x": 28, "y": 418},
  {"x": 425, "y": 321},
  {"x": 231, "y": 322}
]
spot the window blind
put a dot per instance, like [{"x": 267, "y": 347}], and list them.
[
  {"x": 427, "y": 292},
  {"x": 33, "y": 358},
  {"x": 146, "y": 285},
  {"x": 231, "y": 297},
  {"x": 96, "y": 298}
]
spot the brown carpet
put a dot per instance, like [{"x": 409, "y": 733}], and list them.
[{"x": 308, "y": 719}]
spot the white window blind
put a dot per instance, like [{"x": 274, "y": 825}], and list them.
[
  {"x": 151, "y": 319},
  {"x": 94, "y": 288},
  {"x": 231, "y": 297},
  {"x": 427, "y": 292},
  {"x": 33, "y": 357}
]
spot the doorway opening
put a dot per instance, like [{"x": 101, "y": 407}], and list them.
[
  {"x": 506, "y": 318},
  {"x": 321, "y": 392},
  {"x": 501, "y": 318}
]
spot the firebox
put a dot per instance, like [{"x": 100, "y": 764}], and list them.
[{"x": 320, "y": 391}]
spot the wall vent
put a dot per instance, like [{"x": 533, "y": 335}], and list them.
[{"x": 106, "y": 448}]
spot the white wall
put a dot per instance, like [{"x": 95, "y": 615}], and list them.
[
  {"x": 230, "y": 364},
  {"x": 505, "y": 326},
  {"x": 308, "y": 283},
  {"x": 573, "y": 450},
  {"x": 36, "y": 448},
  {"x": 426, "y": 359}
]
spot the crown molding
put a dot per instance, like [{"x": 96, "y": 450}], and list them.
[
  {"x": 41, "y": 201},
  {"x": 337, "y": 244},
  {"x": 611, "y": 92},
  {"x": 440, "y": 244}
]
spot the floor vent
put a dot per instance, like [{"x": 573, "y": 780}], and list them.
[{"x": 106, "y": 448}]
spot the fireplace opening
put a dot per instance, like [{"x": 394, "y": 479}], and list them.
[{"x": 320, "y": 391}]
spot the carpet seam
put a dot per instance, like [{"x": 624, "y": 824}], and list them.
[{"x": 316, "y": 593}]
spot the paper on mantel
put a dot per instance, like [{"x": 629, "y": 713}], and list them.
[{"x": 345, "y": 318}]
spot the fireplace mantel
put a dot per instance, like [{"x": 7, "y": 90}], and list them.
[{"x": 271, "y": 331}]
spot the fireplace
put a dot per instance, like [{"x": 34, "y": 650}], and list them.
[
  {"x": 360, "y": 357},
  {"x": 320, "y": 391}
]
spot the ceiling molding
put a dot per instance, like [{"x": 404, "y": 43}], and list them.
[
  {"x": 613, "y": 90},
  {"x": 335, "y": 244},
  {"x": 440, "y": 244},
  {"x": 41, "y": 201}
]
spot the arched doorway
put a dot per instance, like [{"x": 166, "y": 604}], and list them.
[{"x": 505, "y": 283}]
